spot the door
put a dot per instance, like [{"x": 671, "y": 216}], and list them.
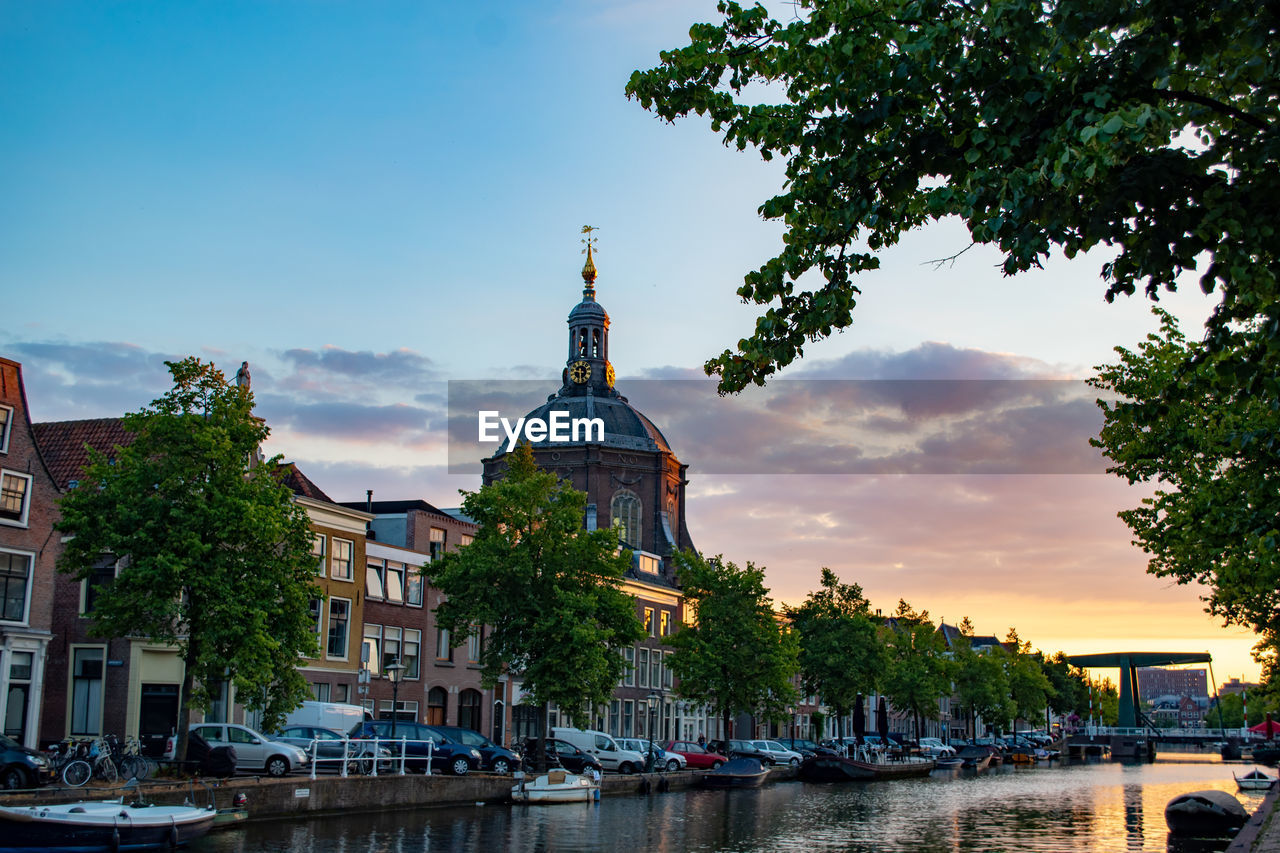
[{"x": 158, "y": 717}]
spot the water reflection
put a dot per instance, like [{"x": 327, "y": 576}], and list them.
[{"x": 1102, "y": 806}]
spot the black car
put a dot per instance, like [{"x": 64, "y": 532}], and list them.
[
  {"x": 21, "y": 767},
  {"x": 493, "y": 757},
  {"x": 421, "y": 741},
  {"x": 807, "y": 748},
  {"x": 740, "y": 749},
  {"x": 566, "y": 755}
]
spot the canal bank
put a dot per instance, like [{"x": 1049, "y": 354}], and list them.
[
  {"x": 1262, "y": 833},
  {"x": 300, "y": 796}
]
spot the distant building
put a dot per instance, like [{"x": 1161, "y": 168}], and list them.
[
  {"x": 1235, "y": 685},
  {"x": 1157, "y": 681}
]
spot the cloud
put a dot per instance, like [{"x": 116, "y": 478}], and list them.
[
  {"x": 73, "y": 381},
  {"x": 334, "y": 369},
  {"x": 929, "y": 360}
]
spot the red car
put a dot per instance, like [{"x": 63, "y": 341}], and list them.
[{"x": 699, "y": 757}]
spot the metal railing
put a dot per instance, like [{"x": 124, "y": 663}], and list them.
[{"x": 374, "y": 751}]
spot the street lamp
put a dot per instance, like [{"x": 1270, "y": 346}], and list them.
[
  {"x": 653, "y": 699},
  {"x": 394, "y": 672}
]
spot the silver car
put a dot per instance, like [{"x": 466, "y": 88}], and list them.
[
  {"x": 662, "y": 760},
  {"x": 778, "y": 753},
  {"x": 254, "y": 750}
]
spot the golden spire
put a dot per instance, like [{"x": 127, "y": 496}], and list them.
[{"x": 589, "y": 268}]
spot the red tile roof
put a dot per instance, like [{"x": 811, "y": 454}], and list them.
[
  {"x": 63, "y": 443},
  {"x": 302, "y": 485}
]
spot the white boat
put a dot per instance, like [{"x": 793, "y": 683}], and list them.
[
  {"x": 556, "y": 786},
  {"x": 106, "y": 826},
  {"x": 1254, "y": 780}
]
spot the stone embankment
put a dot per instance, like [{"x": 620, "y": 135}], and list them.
[
  {"x": 302, "y": 796},
  {"x": 1262, "y": 833}
]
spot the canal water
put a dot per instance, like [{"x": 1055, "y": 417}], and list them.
[{"x": 1096, "y": 806}]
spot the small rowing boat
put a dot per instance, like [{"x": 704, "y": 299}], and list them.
[{"x": 105, "y": 826}]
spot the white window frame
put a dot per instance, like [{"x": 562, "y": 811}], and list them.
[
  {"x": 21, "y": 520},
  {"x": 375, "y": 568},
  {"x": 346, "y": 648},
  {"x": 390, "y": 569},
  {"x": 6, "y": 427},
  {"x": 26, "y": 598},
  {"x": 71, "y": 690},
  {"x": 412, "y": 639},
  {"x": 320, "y": 551},
  {"x": 335, "y": 560}
]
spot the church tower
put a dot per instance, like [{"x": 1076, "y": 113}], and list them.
[{"x": 633, "y": 480}]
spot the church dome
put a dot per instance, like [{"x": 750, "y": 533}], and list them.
[
  {"x": 624, "y": 427},
  {"x": 588, "y": 309}
]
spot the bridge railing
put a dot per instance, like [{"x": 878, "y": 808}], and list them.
[{"x": 1198, "y": 733}]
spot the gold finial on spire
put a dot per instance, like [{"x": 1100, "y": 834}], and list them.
[{"x": 589, "y": 268}]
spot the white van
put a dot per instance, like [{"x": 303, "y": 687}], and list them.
[
  {"x": 327, "y": 715},
  {"x": 603, "y": 748}
]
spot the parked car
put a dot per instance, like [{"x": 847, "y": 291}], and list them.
[
  {"x": 330, "y": 747},
  {"x": 778, "y": 754},
  {"x": 739, "y": 749},
  {"x": 253, "y": 750},
  {"x": 603, "y": 747},
  {"x": 935, "y": 748},
  {"x": 662, "y": 760},
  {"x": 421, "y": 742},
  {"x": 493, "y": 757},
  {"x": 22, "y": 767},
  {"x": 805, "y": 747},
  {"x": 566, "y": 755},
  {"x": 698, "y": 757}
]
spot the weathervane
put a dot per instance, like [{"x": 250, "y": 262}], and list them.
[{"x": 589, "y": 268}]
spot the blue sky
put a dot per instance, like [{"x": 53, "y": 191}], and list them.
[{"x": 364, "y": 200}]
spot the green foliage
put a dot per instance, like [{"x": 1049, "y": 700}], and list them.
[
  {"x": 841, "y": 654},
  {"x": 1203, "y": 425},
  {"x": 546, "y": 593},
  {"x": 1029, "y": 687},
  {"x": 1106, "y": 702},
  {"x": 1227, "y": 712},
  {"x": 918, "y": 673},
  {"x": 735, "y": 656},
  {"x": 1070, "y": 688},
  {"x": 216, "y": 556},
  {"x": 981, "y": 681},
  {"x": 1148, "y": 127}
]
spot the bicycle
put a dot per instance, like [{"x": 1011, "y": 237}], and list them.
[{"x": 71, "y": 765}]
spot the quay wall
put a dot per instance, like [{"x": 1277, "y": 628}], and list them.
[{"x": 301, "y": 796}]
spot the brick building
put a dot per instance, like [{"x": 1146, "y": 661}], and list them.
[{"x": 29, "y": 548}]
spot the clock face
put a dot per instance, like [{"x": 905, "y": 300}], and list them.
[
  {"x": 608, "y": 374},
  {"x": 580, "y": 372}
]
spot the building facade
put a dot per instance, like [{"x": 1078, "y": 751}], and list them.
[{"x": 29, "y": 549}]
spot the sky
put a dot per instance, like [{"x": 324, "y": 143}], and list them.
[{"x": 366, "y": 201}]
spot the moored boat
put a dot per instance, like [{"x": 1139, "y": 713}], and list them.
[
  {"x": 1205, "y": 814},
  {"x": 738, "y": 773},
  {"x": 105, "y": 825},
  {"x": 1254, "y": 780},
  {"x": 975, "y": 757},
  {"x": 556, "y": 786},
  {"x": 832, "y": 768}
]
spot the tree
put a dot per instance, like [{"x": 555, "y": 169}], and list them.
[
  {"x": 1029, "y": 687},
  {"x": 919, "y": 673},
  {"x": 1195, "y": 422},
  {"x": 1070, "y": 688},
  {"x": 1149, "y": 127},
  {"x": 545, "y": 594},
  {"x": 841, "y": 656},
  {"x": 980, "y": 682},
  {"x": 214, "y": 555},
  {"x": 734, "y": 655}
]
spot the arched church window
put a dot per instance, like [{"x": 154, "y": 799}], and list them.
[
  {"x": 582, "y": 342},
  {"x": 624, "y": 514},
  {"x": 595, "y": 343}
]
